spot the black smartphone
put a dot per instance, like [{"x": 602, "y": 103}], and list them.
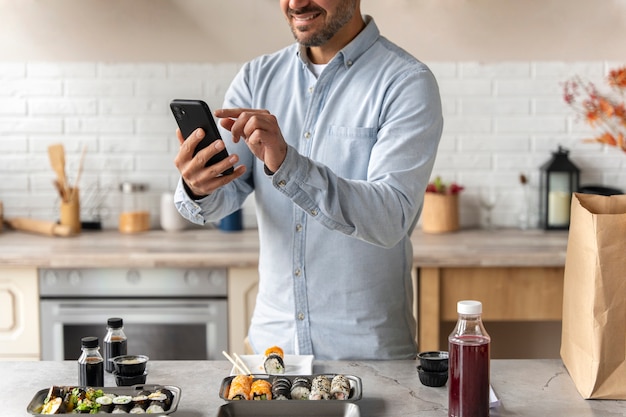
[{"x": 192, "y": 114}]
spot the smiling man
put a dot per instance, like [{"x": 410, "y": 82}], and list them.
[{"x": 336, "y": 135}]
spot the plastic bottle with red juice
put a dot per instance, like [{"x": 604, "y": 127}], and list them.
[{"x": 469, "y": 356}]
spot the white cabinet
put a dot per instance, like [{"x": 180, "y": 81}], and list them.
[
  {"x": 243, "y": 285},
  {"x": 19, "y": 314}
]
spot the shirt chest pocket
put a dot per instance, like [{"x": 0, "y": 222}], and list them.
[{"x": 347, "y": 150}]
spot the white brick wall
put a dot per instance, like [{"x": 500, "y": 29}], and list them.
[{"x": 501, "y": 119}]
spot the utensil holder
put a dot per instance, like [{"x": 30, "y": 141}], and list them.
[
  {"x": 440, "y": 213},
  {"x": 70, "y": 211}
]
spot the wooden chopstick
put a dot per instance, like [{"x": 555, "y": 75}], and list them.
[
  {"x": 235, "y": 364},
  {"x": 242, "y": 363}
]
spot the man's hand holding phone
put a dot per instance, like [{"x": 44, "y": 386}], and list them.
[{"x": 202, "y": 180}]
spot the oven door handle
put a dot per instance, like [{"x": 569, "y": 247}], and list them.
[{"x": 155, "y": 309}]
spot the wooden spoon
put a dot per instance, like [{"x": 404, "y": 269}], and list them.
[{"x": 56, "y": 153}]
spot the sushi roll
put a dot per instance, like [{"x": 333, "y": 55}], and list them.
[
  {"x": 261, "y": 390},
  {"x": 340, "y": 388},
  {"x": 137, "y": 409},
  {"x": 240, "y": 387},
  {"x": 274, "y": 361},
  {"x": 140, "y": 400},
  {"x": 106, "y": 403},
  {"x": 169, "y": 397},
  {"x": 281, "y": 388},
  {"x": 120, "y": 409},
  {"x": 300, "y": 388},
  {"x": 320, "y": 388},
  {"x": 122, "y": 403},
  {"x": 155, "y": 407}
]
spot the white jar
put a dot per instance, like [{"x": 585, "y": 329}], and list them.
[{"x": 171, "y": 220}]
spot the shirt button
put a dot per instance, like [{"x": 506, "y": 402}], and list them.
[
  {"x": 314, "y": 212},
  {"x": 300, "y": 316},
  {"x": 349, "y": 63},
  {"x": 307, "y": 135},
  {"x": 282, "y": 183},
  {"x": 298, "y": 272},
  {"x": 311, "y": 89},
  {"x": 298, "y": 227}
]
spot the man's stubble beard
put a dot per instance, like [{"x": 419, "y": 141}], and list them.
[{"x": 343, "y": 16}]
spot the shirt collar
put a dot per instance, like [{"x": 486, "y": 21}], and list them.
[{"x": 352, "y": 51}]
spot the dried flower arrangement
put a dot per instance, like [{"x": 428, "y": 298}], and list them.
[{"x": 605, "y": 111}]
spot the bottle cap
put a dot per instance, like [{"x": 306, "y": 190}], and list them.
[
  {"x": 469, "y": 307},
  {"x": 115, "y": 322},
  {"x": 89, "y": 342}
]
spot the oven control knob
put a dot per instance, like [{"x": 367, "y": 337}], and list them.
[
  {"x": 74, "y": 278},
  {"x": 50, "y": 279},
  {"x": 191, "y": 278},
  {"x": 133, "y": 276}
]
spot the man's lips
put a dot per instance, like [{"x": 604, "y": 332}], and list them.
[{"x": 304, "y": 17}]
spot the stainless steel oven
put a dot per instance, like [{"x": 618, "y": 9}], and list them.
[{"x": 168, "y": 313}]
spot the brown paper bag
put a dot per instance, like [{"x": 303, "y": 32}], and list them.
[{"x": 593, "y": 342}]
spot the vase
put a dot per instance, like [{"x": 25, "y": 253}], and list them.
[{"x": 440, "y": 213}]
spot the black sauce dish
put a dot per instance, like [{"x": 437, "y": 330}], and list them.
[
  {"x": 434, "y": 361},
  {"x": 130, "y": 365},
  {"x": 432, "y": 379},
  {"x": 127, "y": 381}
]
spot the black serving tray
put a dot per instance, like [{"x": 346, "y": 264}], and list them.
[
  {"x": 289, "y": 409},
  {"x": 35, "y": 405},
  {"x": 356, "y": 388}
]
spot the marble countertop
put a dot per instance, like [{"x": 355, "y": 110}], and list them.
[
  {"x": 214, "y": 248},
  {"x": 390, "y": 388}
]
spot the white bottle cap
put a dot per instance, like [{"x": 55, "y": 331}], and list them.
[{"x": 469, "y": 307}]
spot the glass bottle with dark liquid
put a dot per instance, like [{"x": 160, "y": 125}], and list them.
[
  {"x": 115, "y": 342},
  {"x": 90, "y": 364},
  {"x": 469, "y": 356}
]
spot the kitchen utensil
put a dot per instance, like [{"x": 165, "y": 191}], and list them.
[
  {"x": 56, "y": 153},
  {"x": 70, "y": 211},
  {"x": 78, "y": 174},
  {"x": 39, "y": 226}
]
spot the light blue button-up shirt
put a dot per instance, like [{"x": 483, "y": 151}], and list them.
[{"x": 335, "y": 220}]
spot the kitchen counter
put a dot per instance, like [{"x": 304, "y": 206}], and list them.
[
  {"x": 213, "y": 248},
  {"x": 494, "y": 266},
  {"x": 390, "y": 388}
]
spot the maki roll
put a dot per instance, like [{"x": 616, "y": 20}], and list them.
[
  {"x": 300, "y": 388},
  {"x": 155, "y": 407},
  {"x": 320, "y": 388},
  {"x": 119, "y": 409},
  {"x": 140, "y": 400},
  {"x": 274, "y": 363},
  {"x": 106, "y": 403},
  {"x": 169, "y": 397},
  {"x": 261, "y": 390},
  {"x": 281, "y": 388},
  {"x": 240, "y": 387},
  {"x": 340, "y": 388},
  {"x": 137, "y": 409},
  {"x": 122, "y": 403}
]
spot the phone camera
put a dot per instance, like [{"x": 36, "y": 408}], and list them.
[{"x": 179, "y": 113}]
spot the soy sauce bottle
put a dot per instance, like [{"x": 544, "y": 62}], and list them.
[
  {"x": 90, "y": 364},
  {"x": 469, "y": 356},
  {"x": 115, "y": 342}
]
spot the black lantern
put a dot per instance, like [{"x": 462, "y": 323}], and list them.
[{"x": 559, "y": 179}]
